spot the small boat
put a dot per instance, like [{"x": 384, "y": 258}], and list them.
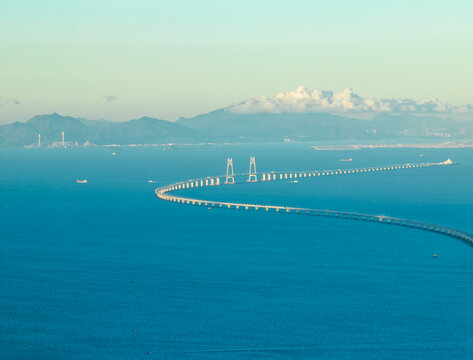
[
  {"x": 81, "y": 181},
  {"x": 350, "y": 159},
  {"x": 150, "y": 181}
]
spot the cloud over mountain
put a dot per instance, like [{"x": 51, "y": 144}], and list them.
[{"x": 304, "y": 100}]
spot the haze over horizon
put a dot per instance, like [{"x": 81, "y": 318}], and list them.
[{"x": 161, "y": 59}]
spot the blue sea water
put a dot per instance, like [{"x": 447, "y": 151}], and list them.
[{"x": 105, "y": 270}]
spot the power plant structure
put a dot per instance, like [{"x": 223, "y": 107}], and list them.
[
  {"x": 63, "y": 143},
  {"x": 55, "y": 144}
]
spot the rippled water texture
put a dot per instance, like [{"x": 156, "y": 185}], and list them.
[{"x": 106, "y": 270}]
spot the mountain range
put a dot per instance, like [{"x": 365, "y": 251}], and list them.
[{"x": 224, "y": 125}]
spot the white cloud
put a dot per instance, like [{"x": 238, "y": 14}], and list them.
[{"x": 304, "y": 100}]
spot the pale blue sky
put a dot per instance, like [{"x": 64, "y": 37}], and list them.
[{"x": 171, "y": 58}]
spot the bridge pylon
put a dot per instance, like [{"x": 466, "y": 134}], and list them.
[
  {"x": 252, "y": 173},
  {"x": 229, "y": 178}
]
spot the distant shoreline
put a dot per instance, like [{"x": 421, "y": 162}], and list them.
[
  {"x": 326, "y": 147},
  {"x": 444, "y": 145}
]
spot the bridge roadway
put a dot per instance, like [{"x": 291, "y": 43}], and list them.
[{"x": 164, "y": 194}]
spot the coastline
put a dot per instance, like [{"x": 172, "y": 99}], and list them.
[{"x": 444, "y": 145}]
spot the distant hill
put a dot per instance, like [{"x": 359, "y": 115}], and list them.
[
  {"x": 226, "y": 126},
  {"x": 140, "y": 131},
  {"x": 223, "y": 125}
]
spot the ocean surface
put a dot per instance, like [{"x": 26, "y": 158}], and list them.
[{"x": 105, "y": 270}]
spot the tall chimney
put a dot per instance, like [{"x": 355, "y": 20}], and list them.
[
  {"x": 63, "y": 138},
  {"x": 39, "y": 140}
]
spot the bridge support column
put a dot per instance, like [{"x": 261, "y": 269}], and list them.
[
  {"x": 252, "y": 173},
  {"x": 229, "y": 178}
]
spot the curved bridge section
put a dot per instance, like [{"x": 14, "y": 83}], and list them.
[{"x": 166, "y": 193}]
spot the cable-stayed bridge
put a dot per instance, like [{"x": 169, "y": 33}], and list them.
[{"x": 166, "y": 193}]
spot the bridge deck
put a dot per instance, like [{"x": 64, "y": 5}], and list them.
[{"x": 164, "y": 194}]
